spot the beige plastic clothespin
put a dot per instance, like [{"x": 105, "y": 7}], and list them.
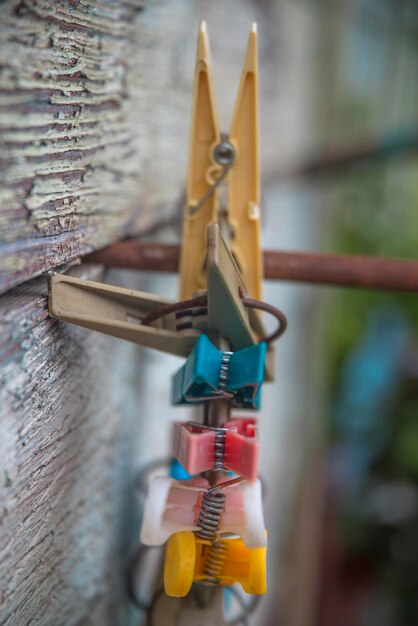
[
  {"x": 214, "y": 159},
  {"x": 117, "y": 312}
]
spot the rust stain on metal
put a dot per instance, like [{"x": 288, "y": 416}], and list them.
[{"x": 326, "y": 269}]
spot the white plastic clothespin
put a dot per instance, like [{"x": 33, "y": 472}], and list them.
[{"x": 174, "y": 506}]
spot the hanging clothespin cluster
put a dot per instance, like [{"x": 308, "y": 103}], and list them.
[{"x": 212, "y": 522}]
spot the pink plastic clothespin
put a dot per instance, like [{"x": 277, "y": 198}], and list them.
[
  {"x": 232, "y": 447},
  {"x": 242, "y": 446},
  {"x": 182, "y": 506}
]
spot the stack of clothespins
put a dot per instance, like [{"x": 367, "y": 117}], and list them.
[{"x": 211, "y": 519}]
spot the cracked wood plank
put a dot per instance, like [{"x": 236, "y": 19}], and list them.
[{"x": 69, "y": 176}]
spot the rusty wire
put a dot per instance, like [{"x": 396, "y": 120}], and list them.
[{"x": 179, "y": 308}]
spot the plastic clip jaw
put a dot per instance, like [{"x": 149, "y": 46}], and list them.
[
  {"x": 196, "y": 447},
  {"x": 117, "y": 312},
  {"x": 204, "y": 376},
  {"x": 156, "y": 526},
  {"x": 244, "y": 179},
  {"x": 187, "y": 558},
  {"x": 174, "y": 506},
  {"x": 204, "y": 134},
  {"x": 242, "y": 447},
  {"x": 226, "y": 312}
]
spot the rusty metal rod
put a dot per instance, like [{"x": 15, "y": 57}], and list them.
[
  {"x": 307, "y": 267},
  {"x": 342, "y": 270},
  {"x": 138, "y": 255}
]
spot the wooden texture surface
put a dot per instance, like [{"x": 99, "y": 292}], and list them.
[{"x": 69, "y": 432}]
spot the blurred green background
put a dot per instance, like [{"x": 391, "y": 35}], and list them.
[{"x": 370, "y": 555}]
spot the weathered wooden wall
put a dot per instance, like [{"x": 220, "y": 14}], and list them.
[{"x": 69, "y": 432}]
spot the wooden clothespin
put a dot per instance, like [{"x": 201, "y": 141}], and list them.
[
  {"x": 214, "y": 159},
  {"x": 221, "y": 250}
]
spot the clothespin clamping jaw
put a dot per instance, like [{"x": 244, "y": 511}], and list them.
[
  {"x": 234, "y": 447},
  {"x": 175, "y": 506},
  {"x": 215, "y": 158},
  {"x": 211, "y": 374},
  {"x": 231, "y": 562},
  {"x": 117, "y": 312}
]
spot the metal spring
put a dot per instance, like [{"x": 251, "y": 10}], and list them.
[
  {"x": 213, "y": 505},
  {"x": 215, "y": 562},
  {"x": 209, "y": 520},
  {"x": 219, "y": 446},
  {"x": 224, "y": 371},
  {"x": 219, "y": 452}
]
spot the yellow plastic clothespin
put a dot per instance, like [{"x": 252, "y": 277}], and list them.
[
  {"x": 188, "y": 559},
  {"x": 214, "y": 159}
]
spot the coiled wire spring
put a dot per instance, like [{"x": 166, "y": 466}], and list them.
[
  {"x": 213, "y": 505},
  {"x": 224, "y": 370},
  {"x": 209, "y": 521},
  {"x": 214, "y": 563},
  {"x": 219, "y": 451},
  {"x": 219, "y": 447}
]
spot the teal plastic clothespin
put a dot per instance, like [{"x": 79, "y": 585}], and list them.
[{"x": 209, "y": 373}]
